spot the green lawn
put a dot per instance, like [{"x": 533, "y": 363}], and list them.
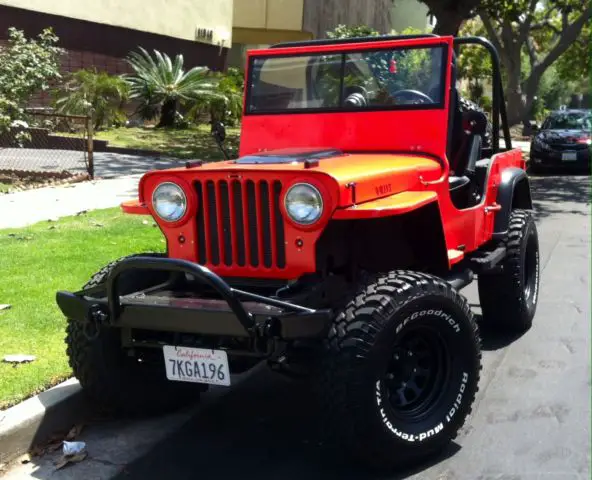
[
  {"x": 191, "y": 143},
  {"x": 4, "y": 187},
  {"x": 36, "y": 262}
]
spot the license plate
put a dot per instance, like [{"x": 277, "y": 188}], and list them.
[
  {"x": 569, "y": 156},
  {"x": 197, "y": 365}
]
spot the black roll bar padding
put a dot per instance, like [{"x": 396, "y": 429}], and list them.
[
  {"x": 202, "y": 273},
  {"x": 499, "y": 105}
]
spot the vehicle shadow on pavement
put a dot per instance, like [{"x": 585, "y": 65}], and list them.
[
  {"x": 266, "y": 428},
  {"x": 493, "y": 339},
  {"x": 563, "y": 194}
]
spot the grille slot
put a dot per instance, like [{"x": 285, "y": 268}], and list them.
[
  {"x": 213, "y": 223},
  {"x": 240, "y": 223},
  {"x": 280, "y": 243},
  {"x": 266, "y": 223}
]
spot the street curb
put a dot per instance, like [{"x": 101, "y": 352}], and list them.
[{"x": 36, "y": 419}]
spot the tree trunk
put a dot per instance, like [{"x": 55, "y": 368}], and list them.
[
  {"x": 448, "y": 23},
  {"x": 513, "y": 91},
  {"x": 168, "y": 113},
  {"x": 450, "y": 14}
]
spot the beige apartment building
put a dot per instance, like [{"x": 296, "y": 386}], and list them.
[
  {"x": 215, "y": 33},
  {"x": 260, "y": 23}
]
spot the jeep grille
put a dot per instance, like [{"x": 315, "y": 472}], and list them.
[{"x": 240, "y": 222}]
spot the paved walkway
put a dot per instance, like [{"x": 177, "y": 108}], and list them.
[
  {"x": 107, "y": 164},
  {"x": 32, "y": 206}
]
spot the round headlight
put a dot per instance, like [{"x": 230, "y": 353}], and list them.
[
  {"x": 304, "y": 203},
  {"x": 169, "y": 201}
]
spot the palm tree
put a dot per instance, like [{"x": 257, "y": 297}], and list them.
[{"x": 161, "y": 84}]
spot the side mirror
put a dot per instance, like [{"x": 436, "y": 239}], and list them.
[
  {"x": 218, "y": 132},
  {"x": 530, "y": 127}
]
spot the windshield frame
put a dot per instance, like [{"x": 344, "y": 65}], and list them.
[{"x": 443, "y": 94}]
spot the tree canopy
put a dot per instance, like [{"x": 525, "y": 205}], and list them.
[{"x": 543, "y": 31}]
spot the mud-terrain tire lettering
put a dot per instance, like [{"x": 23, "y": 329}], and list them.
[{"x": 351, "y": 375}]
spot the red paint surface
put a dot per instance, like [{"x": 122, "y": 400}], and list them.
[{"x": 386, "y": 183}]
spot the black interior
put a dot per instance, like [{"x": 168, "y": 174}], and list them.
[{"x": 465, "y": 151}]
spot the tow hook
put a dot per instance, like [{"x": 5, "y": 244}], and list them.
[{"x": 96, "y": 318}]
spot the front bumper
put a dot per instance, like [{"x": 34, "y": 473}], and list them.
[
  {"x": 554, "y": 158},
  {"x": 235, "y": 313}
]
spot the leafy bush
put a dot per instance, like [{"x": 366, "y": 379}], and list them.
[
  {"x": 226, "y": 108},
  {"x": 350, "y": 31},
  {"x": 96, "y": 94},
  {"x": 27, "y": 66},
  {"x": 163, "y": 85}
]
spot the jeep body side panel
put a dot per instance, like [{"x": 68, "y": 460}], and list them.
[{"x": 467, "y": 229}]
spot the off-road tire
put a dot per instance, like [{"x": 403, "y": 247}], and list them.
[
  {"x": 352, "y": 381},
  {"x": 509, "y": 298},
  {"x": 467, "y": 105},
  {"x": 116, "y": 382}
]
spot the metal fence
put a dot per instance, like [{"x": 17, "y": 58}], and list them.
[{"x": 49, "y": 143}]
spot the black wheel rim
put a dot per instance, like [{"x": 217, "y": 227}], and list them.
[
  {"x": 417, "y": 373},
  {"x": 530, "y": 268}
]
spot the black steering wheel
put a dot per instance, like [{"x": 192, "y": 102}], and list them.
[
  {"x": 357, "y": 96},
  {"x": 413, "y": 93}
]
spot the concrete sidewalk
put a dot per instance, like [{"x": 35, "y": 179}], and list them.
[{"x": 31, "y": 206}]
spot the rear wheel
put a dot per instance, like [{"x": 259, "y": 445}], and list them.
[
  {"x": 116, "y": 381},
  {"x": 401, "y": 369},
  {"x": 509, "y": 298}
]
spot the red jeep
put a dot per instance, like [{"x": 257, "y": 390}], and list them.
[{"x": 365, "y": 195}]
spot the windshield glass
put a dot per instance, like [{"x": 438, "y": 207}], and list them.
[
  {"x": 569, "y": 121},
  {"x": 400, "y": 78}
]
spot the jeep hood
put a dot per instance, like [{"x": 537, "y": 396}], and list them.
[{"x": 359, "y": 177}]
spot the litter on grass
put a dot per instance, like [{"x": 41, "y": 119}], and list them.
[{"x": 20, "y": 358}]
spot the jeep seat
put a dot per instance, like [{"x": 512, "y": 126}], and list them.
[{"x": 469, "y": 129}]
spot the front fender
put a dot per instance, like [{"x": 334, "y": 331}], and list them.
[
  {"x": 387, "y": 206},
  {"x": 513, "y": 192}
]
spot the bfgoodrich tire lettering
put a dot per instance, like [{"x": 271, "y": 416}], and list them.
[
  {"x": 113, "y": 380},
  {"x": 375, "y": 403},
  {"x": 509, "y": 298}
]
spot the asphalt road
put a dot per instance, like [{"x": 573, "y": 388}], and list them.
[{"x": 531, "y": 419}]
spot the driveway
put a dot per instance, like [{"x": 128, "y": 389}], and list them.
[
  {"x": 107, "y": 164},
  {"x": 531, "y": 419}
]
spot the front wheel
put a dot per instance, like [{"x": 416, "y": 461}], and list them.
[
  {"x": 114, "y": 380},
  {"x": 400, "y": 369}
]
